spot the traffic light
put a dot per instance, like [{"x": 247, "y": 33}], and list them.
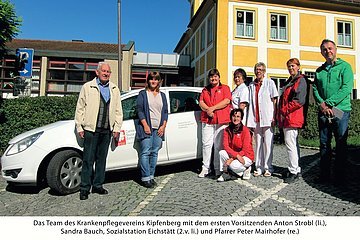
[
  {"x": 18, "y": 86},
  {"x": 22, "y": 58}
]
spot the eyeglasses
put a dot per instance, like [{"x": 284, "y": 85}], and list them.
[{"x": 260, "y": 69}]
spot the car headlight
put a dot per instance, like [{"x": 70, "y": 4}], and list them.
[{"x": 23, "y": 144}]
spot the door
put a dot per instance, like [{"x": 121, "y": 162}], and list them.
[
  {"x": 183, "y": 131},
  {"x": 126, "y": 153}
]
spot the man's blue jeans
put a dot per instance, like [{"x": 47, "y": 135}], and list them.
[
  {"x": 338, "y": 127},
  {"x": 149, "y": 154}
]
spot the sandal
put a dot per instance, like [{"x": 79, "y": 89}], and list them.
[
  {"x": 257, "y": 173},
  {"x": 267, "y": 173}
]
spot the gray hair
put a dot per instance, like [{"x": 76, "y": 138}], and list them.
[
  {"x": 100, "y": 64},
  {"x": 260, "y": 64}
]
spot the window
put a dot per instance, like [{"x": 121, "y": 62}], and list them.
[
  {"x": 68, "y": 75},
  {"x": 202, "y": 37},
  {"x": 344, "y": 31},
  {"x": 7, "y": 74},
  {"x": 129, "y": 108},
  {"x": 210, "y": 30},
  {"x": 36, "y": 72},
  {"x": 278, "y": 25},
  {"x": 193, "y": 48},
  {"x": 310, "y": 75},
  {"x": 245, "y": 24},
  {"x": 249, "y": 79},
  {"x": 181, "y": 101},
  {"x": 279, "y": 82}
]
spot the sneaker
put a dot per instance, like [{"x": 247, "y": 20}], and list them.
[
  {"x": 247, "y": 174},
  {"x": 226, "y": 177},
  {"x": 220, "y": 179},
  {"x": 291, "y": 178},
  {"x": 204, "y": 172}
]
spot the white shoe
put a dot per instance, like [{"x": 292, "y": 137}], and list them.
[
  {"x": 204, "y": 172},
  {"x": 247, "y": 174},
  {"x": 221, "y": 179}
]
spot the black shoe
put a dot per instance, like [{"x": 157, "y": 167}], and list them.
[
  {"x": 84, "y": 195},
  {"x": 148, "y": 184},
  {"x": 152, "y": 181},
  {"x": 100, "y": 190},
  {"x": 291, "y": 178}
]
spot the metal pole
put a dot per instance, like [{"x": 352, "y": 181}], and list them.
[{"x": 119, "y": 47}]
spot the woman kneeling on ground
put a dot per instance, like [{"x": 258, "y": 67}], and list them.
[{"x": 238, "y": 154}]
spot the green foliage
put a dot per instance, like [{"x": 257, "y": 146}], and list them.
[
  {"x": 9, "y": 23},
  {"x": 354, "y": 125},
  {"x": 23, "y": 114},
  {"x": 310, "y": 135}
]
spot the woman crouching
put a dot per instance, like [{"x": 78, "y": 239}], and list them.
[{"x": 238, "y": 154}]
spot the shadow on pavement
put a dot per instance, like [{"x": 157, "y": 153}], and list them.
[
  {"x": 134, "y": 173},
  {"x": 24, "y": 189},
  {"x": 115, "y": 176},
  {"x": 349, "y": 190}
]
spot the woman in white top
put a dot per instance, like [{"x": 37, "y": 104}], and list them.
[
  {"x": 261, "y": 117},
  {"x": 240, "y": 95}
]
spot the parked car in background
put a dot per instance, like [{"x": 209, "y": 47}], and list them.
[{"x": 53, "y": 153}]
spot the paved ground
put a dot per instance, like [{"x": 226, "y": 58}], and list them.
[{"x": 181, "y": 193}]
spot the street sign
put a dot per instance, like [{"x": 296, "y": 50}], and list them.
[{"x": 24, "y": 56}]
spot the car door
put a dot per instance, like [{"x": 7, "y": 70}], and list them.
[
  {"x": 125, "y": 153},
  {"x": 183, "y": 131}
]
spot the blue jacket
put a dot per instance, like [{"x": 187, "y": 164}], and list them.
[{"x": 143, "y": 112}]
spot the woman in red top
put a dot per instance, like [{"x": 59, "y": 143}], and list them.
[
  {"x": 238, "y": 153},
  {"x": 291, "y": 115},
  {"x": 214, "y": 102}
]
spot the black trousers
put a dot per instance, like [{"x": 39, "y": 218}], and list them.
[{"x": 96, "y": 146}]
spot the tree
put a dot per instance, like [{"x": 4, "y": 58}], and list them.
[{"x": 9, "y": 23}]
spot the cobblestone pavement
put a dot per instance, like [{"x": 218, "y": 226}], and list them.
[{"x": 181, "y": 193}]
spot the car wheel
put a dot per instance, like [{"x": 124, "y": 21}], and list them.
[{"x": 64, "y": 172}]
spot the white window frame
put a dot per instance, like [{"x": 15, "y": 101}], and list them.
[
  {"x": 278, "y": 29},
  {"x": 248, "y": 29},
  {"x": 310, "y": 74},
  {"x": 344, "y": 39}
]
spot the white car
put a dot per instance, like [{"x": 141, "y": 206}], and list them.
[{"x": 54, "y": 152}]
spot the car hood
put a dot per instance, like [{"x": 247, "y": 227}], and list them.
[{"x": 40, "y": 129}]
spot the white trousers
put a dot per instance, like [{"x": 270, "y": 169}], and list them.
[
  {"x": 292, "y": 145},
  {"x": 264, "y": 148},
  {"x": 212, "y": 134},
  {"x": 236, "y": 166}
]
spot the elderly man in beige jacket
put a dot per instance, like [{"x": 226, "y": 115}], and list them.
[{"x": 98, "y": 114}]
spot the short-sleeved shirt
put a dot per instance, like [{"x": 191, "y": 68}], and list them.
[
  {"x": 212, "y": 96},
  {"x": 240, "y": 95}
]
